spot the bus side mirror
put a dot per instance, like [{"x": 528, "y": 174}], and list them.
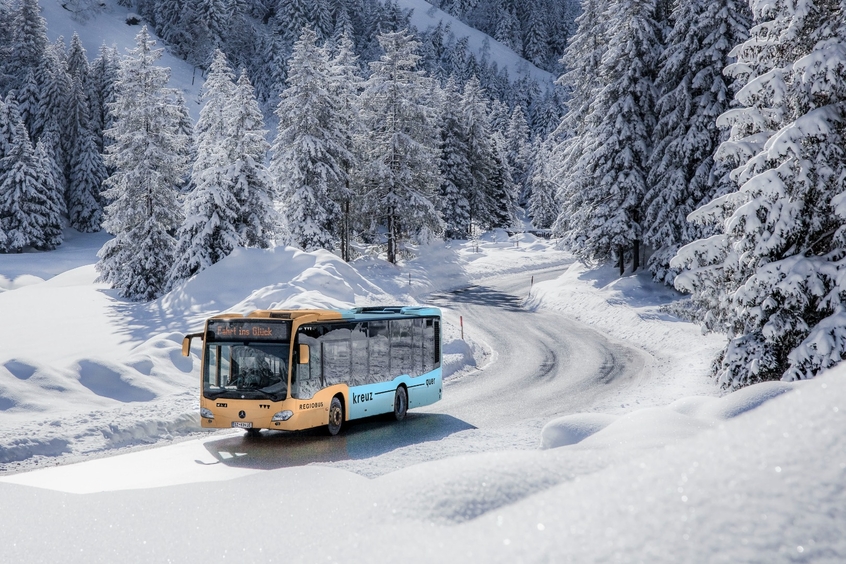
[
  {"x": 304, "y": 354},
  {"x": 186, "y": 343}
]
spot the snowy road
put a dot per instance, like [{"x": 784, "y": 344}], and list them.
[{"x": 544, "y": 365}]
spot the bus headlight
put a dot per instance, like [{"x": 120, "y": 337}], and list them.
[
  {"x": 206, "y": 413},
  {"x": 282, "y": 415}
]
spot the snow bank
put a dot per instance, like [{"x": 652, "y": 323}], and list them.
[{"x": 762, "y": 482}]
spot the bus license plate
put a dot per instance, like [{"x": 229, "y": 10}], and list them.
[{"x": 242, "y": 424}]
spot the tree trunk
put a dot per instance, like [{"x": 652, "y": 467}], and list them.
[
  {"x": 391, "y": 242},
  {"x": 636, "y": 253},
  {"x": 622, "y": 253},
  {"x": 345, "y": 233}
]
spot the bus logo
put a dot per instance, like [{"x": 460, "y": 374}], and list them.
[{"x": 358, "y": 398}]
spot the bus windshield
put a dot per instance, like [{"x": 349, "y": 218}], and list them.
[{"x": 246, "y": 370}]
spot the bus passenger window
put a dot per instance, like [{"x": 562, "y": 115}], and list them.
[
  {"x": 359, "y": 355},
  {"x": 401, "y": 347},
  {"x": 306, "y": 378},
  {"x": 380, "y": 352},
  {"x": 429, "y": 346},
  {"x": 417, "y": 347},
  {"x": 336, "y": 362}
]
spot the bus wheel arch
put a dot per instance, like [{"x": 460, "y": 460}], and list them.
[
  {"x": 400, "y": 402},
  {"x": 336, "y": 414}
]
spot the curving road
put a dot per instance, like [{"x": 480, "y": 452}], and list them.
[{"x": 544, "y": 365}]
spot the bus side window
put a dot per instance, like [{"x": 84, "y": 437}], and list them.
[
  {"x": 417, "y": 347},
  {"x": 429, "y": 345},
  {"x": 360, "y": 355},
  {"x": 337, "y": 356},
  {"x": 380, "y": 352},
  {"x": 401, "y": 347},
  {"x": 306, "y": 378}
]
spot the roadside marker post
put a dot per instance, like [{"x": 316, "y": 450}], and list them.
[{"x": 461, "y": 322}]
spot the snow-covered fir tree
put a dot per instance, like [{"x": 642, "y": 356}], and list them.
[
  {"x": 455, "y": 169},
  {"x": 399, "y": 173},
  {"x": 542, "y": 205},
  {"x": 772, "y": 277},
  {"x": 23, "y": 211},
  {"x": 149, "y": 155},
  {"x": 29, "y": 100},
  {"x": 575, "y": 134},
  {"x": 246, "y": 145},
  {"x": 309, "y": 152},
  {"x": 29, "y": 41},
  {"x": 345, "y": 86},
  {"x": 101, "y": 92},
  {"x": 51, "y": 198},
  {"x": 210, "y": 230},
  {"x": 85, "y": 164},
  {"x": 604, "y": 220},
  {"x": 481, "y": 149},
  {"x": 693, "y": 93},
  {"x": 56, "y": 87},
  {"x": 518, "y": 146},
  {"x": 505, "y": 193}
]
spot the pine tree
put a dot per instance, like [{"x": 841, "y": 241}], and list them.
[
  {"x": 101, "y": 93},
  {"x": 535, "y": 36},
  {"x": 504, "y": 191},
  {"x": 772, "y": 275},
  {"x": 308, "y": 152},
  {"x": 605, "y": 219},
  {"x": 399, "y": 173},
  {"x": 345, "y": 86},
  {"x": 86, "y": 170},
  {"x": 482, "y": 193},
  {"x": 517, "y": 140},
  {"x": 456, "y": 178},
  {"x": 29, "y": 41},
  {"x": 247, "y": 146},
  {"x": 149, "y": 156},
  {"x": 682, "y": 172},
  {"x": 542, "y": 205},
  {"x": 51, "y": 198},
  {"x": 576, "y": 132},
  {"x": 77, "y": 64},
  {"x": 28, "y": 98},
  {"x": 21, "y": 212},
  {"x": 210, "y": 231}
]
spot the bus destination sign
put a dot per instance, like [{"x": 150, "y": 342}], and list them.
[{"x": 248, "y": 330}]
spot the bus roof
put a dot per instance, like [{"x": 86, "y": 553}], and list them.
[{"x": 355, "y": 314}]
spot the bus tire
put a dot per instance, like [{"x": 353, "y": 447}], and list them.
[
  {"x": 336, "y": 416},
  {"x": 400, "y": 403}
]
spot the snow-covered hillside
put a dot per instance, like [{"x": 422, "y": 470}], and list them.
[{"x": 673, "y": 473}]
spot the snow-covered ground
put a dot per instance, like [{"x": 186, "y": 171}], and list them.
[{"x": 758, "y": 475}]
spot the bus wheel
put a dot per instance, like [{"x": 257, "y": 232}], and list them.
[
  {"x": 400, "y": 403},
  {"x": 336, "y": 416}
]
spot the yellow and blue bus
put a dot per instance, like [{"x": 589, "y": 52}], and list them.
[{"x": 299, "y": 369}]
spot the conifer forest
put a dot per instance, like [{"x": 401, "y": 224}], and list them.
[{"x": 699, "y": 140}]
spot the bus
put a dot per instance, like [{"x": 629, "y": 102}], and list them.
[{"x": 299, "y": 369}]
